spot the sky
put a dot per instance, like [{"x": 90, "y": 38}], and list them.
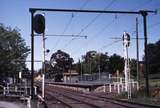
[{"x": 99, "y": 28}]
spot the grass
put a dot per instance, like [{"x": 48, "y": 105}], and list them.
[{"x": 139, "y": 96}]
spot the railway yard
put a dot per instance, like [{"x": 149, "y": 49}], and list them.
[
  {"x": 80, "y": 54},
  {"x": 61, "y": 97}
]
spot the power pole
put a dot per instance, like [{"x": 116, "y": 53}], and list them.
[
  {"x": 81, "y": 70},
  {"x": 99, "y": 67},
  {"x": 32, "y": 53},
  {"x": 137, "y": 43},
  {"x": 144, "y": 14}
]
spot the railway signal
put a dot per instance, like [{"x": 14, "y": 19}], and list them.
[
  {"x": 126, "y": 43},
  {"x": 39, "y": 23},
  {"x": 39, "y": 28}
]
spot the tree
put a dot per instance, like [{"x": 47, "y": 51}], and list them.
[
  {"x": 104, "y": 62},
  {"x": 133, "y": 67},
  {"x": 93, "y": 61},
  {"x": 89, "y": 62},
  {"x": 61, "y": 62},
  {"x": 13, "y": 52},
  {"x": 154, "y": 57},
  {"x": 78, "y": 66},
  {"x": 116, "y": 62}
]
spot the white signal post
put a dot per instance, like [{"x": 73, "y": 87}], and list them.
[
  {"x": 126, "y": 43},
  {"x": 43, "y": 64},
  {"x": 20, "y": 75}
]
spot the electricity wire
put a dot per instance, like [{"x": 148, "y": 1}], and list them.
[
  {"x": 140, "y": 6},
  {"x": 90, "y": 23},
  {"x": 95, "y": 18},
  {"x": 146, "y": 3},
  {"x": 69, "y": 22},
  {"x": 110, "y": 44}
]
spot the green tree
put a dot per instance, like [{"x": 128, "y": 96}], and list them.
[
  {"x": 154, "y": 57},
  {"x": 13, "y": 52},
  {"x": 61, "y": 62},
  {"x": 116, "y": 62},
  {"x": 104, "y": 62},
  {"x": 93, "y": 61},
  {"x": 90, "y": 62},
  {"x": 133, "y": 67}
]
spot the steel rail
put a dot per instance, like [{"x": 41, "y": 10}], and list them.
[
  {"x": 56, "y": 94},
  {"x": 120, "y": 102}
]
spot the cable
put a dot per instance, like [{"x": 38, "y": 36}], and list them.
[
  {"x": 149, "y": 1},
  {"x": 110, "y": 44},
  {"x": 102, "y": 30},
  {"x": 85, "y": 3},
  {"x": 95, "y": 18},
  {"x": 97, "y": 34},
  {"x": 65, "y": 29},
  {"x": 142, "y": 5},
  {"x": 149, "y": 27},
  {"x": 69, "y": 22},
  {"x": 66, "y": 45},
  {"x": 153, "y": 25},
  {"x": 91, "y": 22}
]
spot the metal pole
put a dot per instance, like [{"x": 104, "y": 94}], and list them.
[
  {"x": 81, "y": 70},
  {"x": 138, "y": 75},
  {"x": 144, "y": 14},
  {"x": 70, "y": 74},
  {"x": 32, "y": 54},
  {"x": 90, "y": 11},
  {"x": 125, "y": 69},
  {"x": 99, "y": 67},
  {"x": 128, "y": 75},
  {"x": 90, "y": 67},
  {"x": 43, "y": 64}
]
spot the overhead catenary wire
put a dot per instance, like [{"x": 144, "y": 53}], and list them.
[
  {"x": 60, "y": 35},
  {"x": 90, "y": 23},
  {"x": 149, "y": 27},
  {"x": 140, "y": 6},
  {"x": 149, "y": 1},
  {"x": 96, "y": 17},
  {"x": 65, "y": 29},
  {"x": 103, "y": 29},
  {"x": 97, "y": 34},
  {"x": 110, "y": 44},
  {"x": 69, "y": 22}
]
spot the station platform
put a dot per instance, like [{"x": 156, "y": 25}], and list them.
[
  {"x": 5, "y": 104},
  {"x": 88, "y": 86}
]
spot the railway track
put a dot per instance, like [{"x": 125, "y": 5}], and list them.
[{"x": 73, "y": 99}]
